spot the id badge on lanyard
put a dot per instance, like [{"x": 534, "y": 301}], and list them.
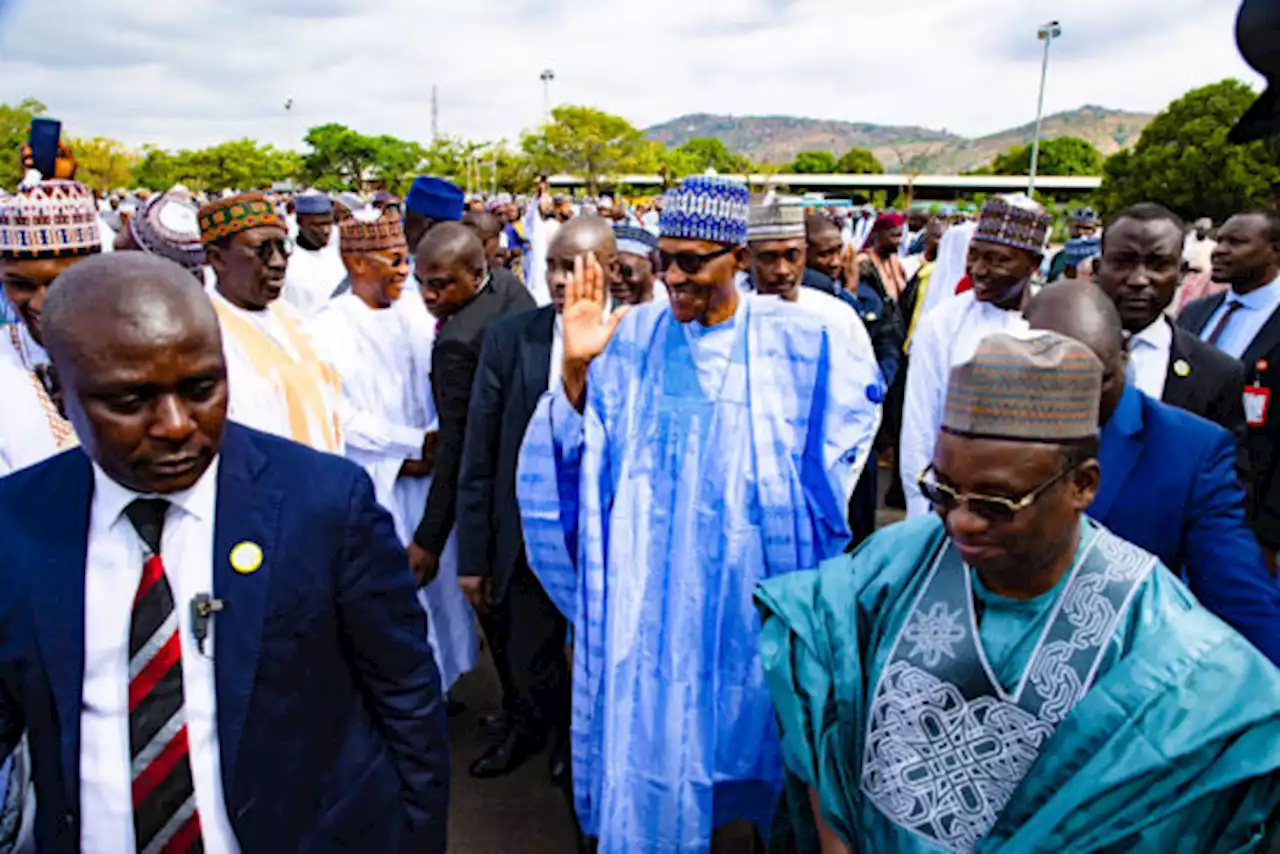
[{"x": 1257, "y": 400}]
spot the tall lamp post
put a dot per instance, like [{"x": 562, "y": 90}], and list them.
[
  {"x": 1046, "y": 34},
  {"x": 546, "y": 77}
]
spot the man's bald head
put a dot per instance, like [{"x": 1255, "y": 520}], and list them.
[
  {"x": 137, "y": 350},
  {"x": 576, "y": 238},
  {"x": 451, "y": 243},
  {"x": 130, "y": 294},
  {"x": 1081, "y": 310}
]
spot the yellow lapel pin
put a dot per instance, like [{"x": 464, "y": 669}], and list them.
[
  {"x": 1181, "y": 368},
  {"x": 246, "y": 558}
]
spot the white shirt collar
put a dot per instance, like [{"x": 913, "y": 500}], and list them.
[
  {"x": 1159, "y": 334},
  {"x": 110, "y": 498}
]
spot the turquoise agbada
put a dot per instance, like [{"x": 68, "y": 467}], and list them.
[{"x": 1173, "y": 745}]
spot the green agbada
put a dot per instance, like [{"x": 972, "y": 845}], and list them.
[{"x": 1112, "y": 713}]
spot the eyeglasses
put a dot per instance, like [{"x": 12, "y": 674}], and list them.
[
  {"x": 267, "y": 248},
  {"x": 691, "y": 262},
  {"x": 995, "y": 509},
  {"x": 394, "y": 263}
]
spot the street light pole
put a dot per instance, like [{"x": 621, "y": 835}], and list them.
[
  {"x": 546, "y": 77},
  {"x": 1046, "y": 34}
]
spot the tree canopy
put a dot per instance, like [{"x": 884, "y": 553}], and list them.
[
  {"x": 15, "y": 123},
  {"x": 703, "y": 153},
  {"x": 814, "y": 163},
  {"x": 859, "y": 161},
  {"x": 1064, "y": 155},
  {"x": 1183, "y": 160},
  {"x": 591, "y": 143}
]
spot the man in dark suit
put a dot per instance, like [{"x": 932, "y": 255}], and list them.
[
  {"x": 1244, "y": 323},
  {"x": 210, "y": 635},
  {"x": 1168, "y": 479},
  {"x": 453, "y": 276},
  {"x": 520, "y": 360},
  {"x": 1140, "y": 267}
]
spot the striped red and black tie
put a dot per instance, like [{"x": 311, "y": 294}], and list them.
[{"x": 165, "y": 820}]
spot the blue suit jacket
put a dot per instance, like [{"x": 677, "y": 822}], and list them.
[
  {"x": 330, "y": 719},
  {"x": 1169, "y": 485}
]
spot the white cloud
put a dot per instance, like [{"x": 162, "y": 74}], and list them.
[{"x": 195, "y": 72}]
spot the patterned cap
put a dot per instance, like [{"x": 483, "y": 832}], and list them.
[
  {"x": 49, "y": 219},
  {"x": 1078, "y": 249},
  {"x": 168, "y": 225},
  {"x": 706, "y": 207},
  {"x": 1014, "y": 220},
  {"x": 372, "y": 230},
  {"x": 634, "y": 240},
  {"x": 230, "y": 216},
  {"x": 1029, "y": 387},
  {"x": 776, "y": 218}
]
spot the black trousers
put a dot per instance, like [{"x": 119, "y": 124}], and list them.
[{"x": 527, "y": 634}]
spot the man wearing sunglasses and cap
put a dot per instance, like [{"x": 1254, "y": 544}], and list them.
[
  {"x": 279, "y": 383},
  {"x": 1004, "y": 674},
  {"x": 689, "y": 451}
]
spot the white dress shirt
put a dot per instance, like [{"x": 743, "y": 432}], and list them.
[
  {"x": 1256, "y": 308},
  {"x": 113, "y": 569},
  {"x": 1149, "y": 357},
  {"x": 557, "y": 354}
]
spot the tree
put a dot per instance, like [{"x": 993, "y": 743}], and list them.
[
  {"x": 104, "y": 164},
  {"x": 1183, "y": 160},
  {"x": 156, "y": 169},
  {"x": 338, "y": 157},
  {"x": 1064, "y": 155},
  {"x": 814, "y": 163},
  {"x": 15, "y": 125},
  {"x": 589, "y": 143},
  {"x": 706, "y": 152},
  {"x": 859, "y": 161}
]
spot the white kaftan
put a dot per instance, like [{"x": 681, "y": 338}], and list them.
[
  {"x": 384, "y": 423},
  {"x": 31, "y": 430},
  {"x": 312, "y": 278},
  {"x": 540, "y": 232},
  {"x": 945, "y": 337}
]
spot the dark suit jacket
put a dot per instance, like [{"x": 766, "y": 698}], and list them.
[
  {"x": 453, "y": 367},
  {"x": 1212, "y": 389},
  {"x": 1169, "y": 486},
  {"x": 330, "y": 722},
  {"x": 1263, "y": 442},
  {"x": 512, "y": 376}
]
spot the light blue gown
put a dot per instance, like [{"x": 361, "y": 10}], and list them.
[
  {"x": 1174, "y": 747},
  {"x": 706, "y": 461}
]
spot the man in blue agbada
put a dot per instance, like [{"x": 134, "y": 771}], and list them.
[
  {"x": 1006, "y": 675},
  {"x": 690, "y": 451}
]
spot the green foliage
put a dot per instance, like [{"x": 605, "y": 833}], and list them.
[
  {"x": 241, "y": 164},
  {"x": 814, "y": 163},
  {"x": 589, "y": 143},
  {"x": 1183, "y": 160},
  {"x": 15, "y": 124},
  {"x": 699, "y": 155},
  {"x": 859, "y": 161},
  {"x": 1065, "y": 155},
  {"x": 102, "y": 163}
]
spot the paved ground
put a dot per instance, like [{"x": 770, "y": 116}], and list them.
[{"x": 518, "y": 814}]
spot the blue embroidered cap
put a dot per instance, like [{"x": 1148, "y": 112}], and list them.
[
  {"x": 634, "y": 240},
  {"x": 312, "y": 203},
  {"x": 435, "y": 198},
  {"x": 706, "y": 207}
]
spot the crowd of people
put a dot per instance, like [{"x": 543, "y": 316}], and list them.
[{"x": 275, "y": 464}]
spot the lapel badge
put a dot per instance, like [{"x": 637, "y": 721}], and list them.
[
  {"x": 246, "y": 558},
  {"x": 1181, "y": 368}
]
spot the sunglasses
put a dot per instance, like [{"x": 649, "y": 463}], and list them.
[
  {"x": 394, "y": 263},
  {"x": 995, "y": 509},
  {"x": 691, "y": 262},
  {"x": 267, "y": 248}
]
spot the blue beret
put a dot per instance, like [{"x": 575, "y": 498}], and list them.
[
  {"x": 435, "y": 198},
  {"x": 312, "y": 203}
]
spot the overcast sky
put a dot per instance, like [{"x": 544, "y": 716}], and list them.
[{"x": 184, "y": 73}]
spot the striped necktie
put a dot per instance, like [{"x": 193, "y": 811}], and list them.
[
  {"x": 165, "y": 820},
  {"x": 1221, "y": 327}
]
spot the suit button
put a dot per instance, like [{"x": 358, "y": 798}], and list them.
[{"x": 69, "y": 819}]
